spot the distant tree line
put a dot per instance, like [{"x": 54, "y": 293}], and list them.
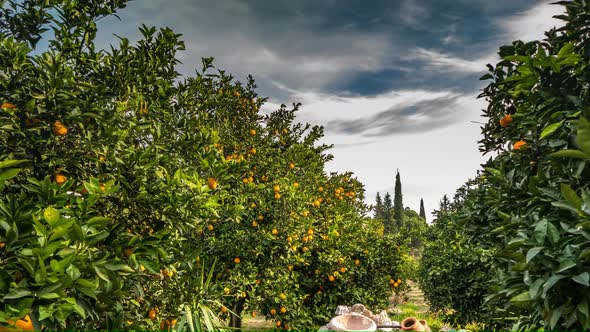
[{"x": 397, "y": 219}]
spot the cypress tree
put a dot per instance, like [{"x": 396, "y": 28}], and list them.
[
  {"x": 378, "y": 207},
  {"x": 398, "y": 206},
  {"x": 387, "y": 217},
  {"x": 422, "y": 212}
]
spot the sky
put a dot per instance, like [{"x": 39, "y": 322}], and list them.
[{"x": 393, "y": 82}]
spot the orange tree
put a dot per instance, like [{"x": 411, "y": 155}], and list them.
[
  {"x": 454, "y": 272},
  {"x": 531, "y": 208},
  {"x": 99, "y": 194},
  {"x": 119, "y": 180},
  {"x": 292, "y": 240}
]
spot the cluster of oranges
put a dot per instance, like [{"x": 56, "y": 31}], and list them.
[
  {"x": 395, "y": 283},
  {"x": 234, "y": 157},
  {"x": 505, "y": 121},
  {"x": 248, "y": 179},
  {"x": 340, "y": 191},
  {"x": 167, "y": 324}
]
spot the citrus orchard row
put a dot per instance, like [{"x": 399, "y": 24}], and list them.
[
  {"x": 131, "y": 196},
  {"x": 520, "y": 230}
]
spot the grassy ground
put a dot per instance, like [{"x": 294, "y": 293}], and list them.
[{"x": 256, "y": 324}]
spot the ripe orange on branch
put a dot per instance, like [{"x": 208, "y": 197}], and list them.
[
  {"x": 60, "y": 179},
  {"x": 58, "y": 129},
  {"x": 519, "y": 145},
  {"x": 24, "y": 324},
  {"x": 506, "y": 120},
  {"x": 8, "y": 106},
  {"x": 212, "y": 183}
]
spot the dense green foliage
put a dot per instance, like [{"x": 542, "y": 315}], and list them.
[
  {"x": 454, "y": 273},
  {"x": 530, "y": 208},
  {"x": 121, "y": 183},
  {"x": 387, "y": 213},
  {"x": 378, "y": 208}
]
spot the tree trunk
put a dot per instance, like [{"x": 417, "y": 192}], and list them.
[{"x": 235, "y": 320}]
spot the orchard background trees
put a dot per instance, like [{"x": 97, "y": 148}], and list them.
[
  {"x": 122, "y": 184},
  {"x": 396, "y": 219}
]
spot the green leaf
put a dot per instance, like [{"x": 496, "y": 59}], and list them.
[
  {"x": 49, "y": 296},
  {"x": 541, "y": 231},
  {"x": 569, "y": 154},
  {"x": 46, "y": 311},
  {"x": 73, "y": 272},
  {"x": 583, "y": 279},
  {"x": 555, "y": 315},
  {"x": 584, "y": 254},
  {"x": 552, "y": 233},
  {"x": 586, "y": 201},
  {"x": 565, "y": 264},
  {"x": 550, "y": 129},
  {"x": 565, "y": 205},
  {"x": 17, "y": 293},
  {"x": 118, "y": 267},
  {"x": 87, "y": 283},
  {"x": 10, "y": 163},
  {"x": 135, "y": 240},
  {"x": 566, "y": 50},
  {"x": 494, "y": 172},
  {"x": 102, "y": 274},
  {"x": 55, "y": 266},
  {"x": 570, "y": 195},
  {"x": 486, "y": 77},
  {"x": 521, "y": 300},
  {"x": 150, "y": 266},
  {"x": 532, "y": 253},
  {"x": 98, "y": 222},
  {"x": 583, "y": 137},
  {"x": 79, "y": 310},
  {"x": 51, "y": 215},
  {"x": 59, "y": 232},
  {"x": 535, "y": 287},
  {"x": 9, "y": 173},
  {"x": 551, "y": 282},
  {"x": 585, "y": 225}
]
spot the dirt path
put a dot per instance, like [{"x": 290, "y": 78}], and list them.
[
  {"x": 416, "y": 297},
  {"x": 415, "y": 306},
  {"x": 256, "y": 324}
]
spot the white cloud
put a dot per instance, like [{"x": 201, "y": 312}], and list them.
[
  {"x": 531, "y": 24},
  {"x": 447, "y": 63}
]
